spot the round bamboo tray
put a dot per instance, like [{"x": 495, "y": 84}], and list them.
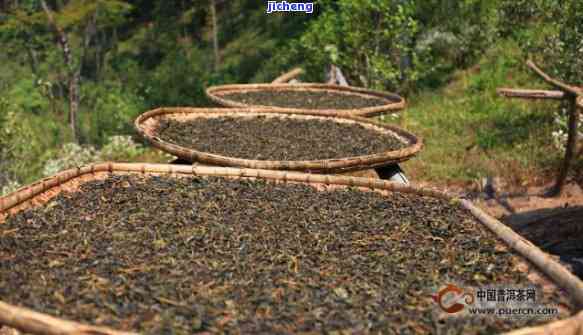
[
  {"x": 25, "y": 320},
  {"x": 393, "y": 102},
  {"x": 146, "y": 125}
]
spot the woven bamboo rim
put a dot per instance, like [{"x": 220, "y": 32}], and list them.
[
  {"x": 394, "y": 102},
  {"x": 146, "y": 125},
  {"x": 42, "y": 191}
]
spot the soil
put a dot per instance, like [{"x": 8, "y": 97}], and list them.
[
  {"x": 304, "y": 99},
  {"x": 277, "y": 138},
  {"x": 186, "y": 255}
]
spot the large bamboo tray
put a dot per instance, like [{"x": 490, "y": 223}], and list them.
[
  {"x": 146, "y": 125},
  {"x": 36, "y": 194},
  {"x": 394, "y": 103}
]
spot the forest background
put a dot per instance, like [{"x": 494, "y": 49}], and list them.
[{"x": 74, "y": 74}]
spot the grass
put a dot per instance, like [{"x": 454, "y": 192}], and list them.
[{"x": 470, "y": 132}]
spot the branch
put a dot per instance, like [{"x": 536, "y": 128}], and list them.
[
  {"x": 558, "y": 84},
  {"x": 284, "y": 78},
  {"x": 530, "y": 94},
  {"x": 32, "y": 322}
]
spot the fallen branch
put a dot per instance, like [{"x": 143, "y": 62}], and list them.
[
  {"x": 284, "y": 78},
  {"x": 530, "y": 94}
]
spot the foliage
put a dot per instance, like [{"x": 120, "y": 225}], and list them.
[
  {"x": 26, "y": 140},
  {"x": 120, "y": 148},
  {"x": 137, "y": 55},
  {"x": 9, "y": 187},
  {"x": 369, "y": 40},
  {"x": 452, "y": 35},
  {"x": 114, "y": 109},
  {"x": 74, "y": 155},
  {"x": 70, "y": 156},
  {"x": 560, "y": 135},
  {"x": 551, "y": 32}
]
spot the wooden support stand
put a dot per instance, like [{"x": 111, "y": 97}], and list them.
[{"x": 574, "y": 97}]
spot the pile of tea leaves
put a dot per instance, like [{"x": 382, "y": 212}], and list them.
[
  {"x": 276, "y": 138},
  {"x": 193, "y": 254},
  {"x": 304, "y": 99}
]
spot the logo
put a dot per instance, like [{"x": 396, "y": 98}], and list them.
[
  {"x": 284, "y": 6},
  {"x": 448, "y": 298}
]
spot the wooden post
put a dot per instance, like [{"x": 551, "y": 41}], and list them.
[{"x": 571, "y": 146}]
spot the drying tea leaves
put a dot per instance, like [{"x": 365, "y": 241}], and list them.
[
  {"x": 304, "y": 99},
  {"x": 276, "y": 138},
  {"x": 187, "y": 255}
]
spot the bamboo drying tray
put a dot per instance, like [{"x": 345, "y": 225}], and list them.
[
  {"x": 36, "y": 194},
  {"x": 146, "y": 126},
  {"x": 394, "y": 103}
]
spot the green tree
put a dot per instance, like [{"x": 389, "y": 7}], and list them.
[{"x": 369, "y": 40}]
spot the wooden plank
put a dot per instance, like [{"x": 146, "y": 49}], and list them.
[{"x": 530, "y": 94}]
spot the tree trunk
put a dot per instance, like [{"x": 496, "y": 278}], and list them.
[
  {"x": 213, "y": 9},
  {"x": 33, "y": 59},
  {"x": 73, "y": 74}
]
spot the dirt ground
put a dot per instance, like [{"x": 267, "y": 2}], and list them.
[{"x": 554, "y": 224}]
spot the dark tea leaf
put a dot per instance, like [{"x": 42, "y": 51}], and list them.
[
  {"x": 304, "y": 99},
  {"x": 186, "y": 255},
  {"x": 274, "y": 138}
]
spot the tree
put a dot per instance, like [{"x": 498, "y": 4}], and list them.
[
  {"x": 72, "y": 72},
  {"x": 80, "y": 15},
  {"x": 368, "y": 39},
  {"x": 215, "y": 28}
]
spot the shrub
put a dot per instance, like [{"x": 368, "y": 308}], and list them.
[{"x": 71, "y": 155}]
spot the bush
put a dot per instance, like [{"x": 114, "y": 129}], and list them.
[
  {"x": 178, "y": 81},
  {"x": 72, "y": 155},
  {"x": 369, "y": 40},
  {"x": 26, "y": 140},
  {"x": 9, "y": 187},
  {"x": 120, "y": 148},
  {"x": 397, "y": 45},
  {"x": 110, "y": 110}
]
